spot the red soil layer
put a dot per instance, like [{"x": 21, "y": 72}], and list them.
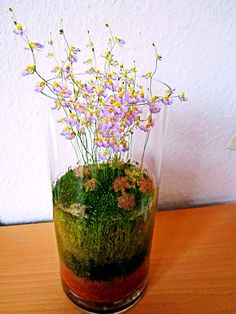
[{"x": 105, "y": 291}]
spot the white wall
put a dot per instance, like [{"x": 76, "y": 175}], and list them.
[{"x": 197, "y": 42}]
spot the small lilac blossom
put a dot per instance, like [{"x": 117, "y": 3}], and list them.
[
  {"x": 56, "y": 69},
  {"x": 90, "y": 117},
  {"x": 103, "y": 155},
  {"x": 79, "y": 107},
  {"x": 148, "y": 126},
  {"x": 62, "y": 120},
  {"x": 19, "y": 30},
  {"x": 57, "y": 105},
  {"x": 38, "y": 45},
  {"x": 182, "y": 97},
  {"x": 75, "y": 50},
  {"x": 30, "y": 69},
  {"x": 147, "y": 75},
  {"x": 50, "y": 42},
  {"x": 71, "y": 121},
  {"x": 131, "y": 97},
  {"x": 154, "y": 107},
  {"x": 50, "y": 54},
  {"x": 34, "y": 45},
  {"x": 88, "y": 61},
  {"x": 120, "y": 41},
  {"x": 154, "y": 104},
  {"x": 40, "y": 86},
  {"x": 90, "y": 70},
  {"x": 99, "y": 141},
  {"x": 72, "y": 58},
  {"x": 167, "y": 100},
  {"x": 70, "y": 136},
  {"x": 119, "y": 133},
  {"x": 67, "y": 69},
  {"x": 68, "y": 133}
]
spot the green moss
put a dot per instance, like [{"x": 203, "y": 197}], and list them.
[
  {"x": 91, "y": 247},
  {"x": 101, "y": 236},
  {"x": 68, "y": 189}
]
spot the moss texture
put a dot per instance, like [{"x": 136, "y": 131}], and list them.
[{"x": 98, "y": 239}]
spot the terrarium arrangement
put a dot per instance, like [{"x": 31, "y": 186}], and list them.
[{"x": 104, "y": 205}]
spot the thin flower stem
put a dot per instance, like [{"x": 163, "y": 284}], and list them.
[
  {"x": 155, "y": 69},
  {"x": 48, "y": 96},
  {"x": 144, "y": 149},
  {"x": 93, "y": 50}
]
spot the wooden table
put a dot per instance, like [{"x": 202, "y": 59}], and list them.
[{"x": 193, "y": 266}]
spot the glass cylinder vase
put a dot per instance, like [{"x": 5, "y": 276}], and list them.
[
  {"x": 105, "y": 168},
  {"x": 104, "y": 215}
]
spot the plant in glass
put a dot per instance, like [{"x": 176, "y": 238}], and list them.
[{"x": 104, "y": 204}]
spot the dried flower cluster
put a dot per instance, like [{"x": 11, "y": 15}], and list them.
[{"x": 126, "y": 185}]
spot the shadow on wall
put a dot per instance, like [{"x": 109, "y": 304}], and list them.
[
  {"x": 197, "y": 166},
  {"x": 180, "y": 169},
  {"x": 196, "y": 161},
  {"x": 177, "y": 189}
]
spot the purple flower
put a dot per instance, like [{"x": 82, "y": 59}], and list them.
[
  {"x": 67, "y": 69},
  {"x": 119, "y": 133},
  {"x": 38, "y": 45},
  {"x": 75, "y": 50},
  {"x": 103, "y": 155},
  {"x": 62, "y": 91},
  {"x": 90, "y": 71},
  {"x": 79, "y": 107},
  {"x": 68, "y": 133},
  {"x": 72, "y": 58},
  {"x": 154, "y": 107},
  {"x": 107, "y": 112},
  {"x": 104, "y": 128},
  {"x": 120, "y": 145},
  {"x": 131, "y": 98},
  {"x": 19, "y": 30},
  {"x": 182, "y": 97},
  {"x": 57, "y": 106},
  {"x": 62, "y": 120},
  {"x": 57, "y": 87},
  {"x": 56, "y": 69},
  {"x": 119, "y": 41},
  {"x": 99, "y": 141},
  {"x": 142, "y": 98},
  {"x": 30, "y": 69},
  {"x": 40, "y": 86},
  {"x": 88, "y": 61},
  {"x": 89, "y": 116},
  {"x": 70, "y": 136},
  {"x": 71, "y": 121},
  {"x": 147, "y": 75},
  {"x": 148, "y": 126},
  {"x": 167, "y": 100},
  {"x": 34, "y": 45}
]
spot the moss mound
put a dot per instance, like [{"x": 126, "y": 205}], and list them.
[{"x": 103, "y": 219}]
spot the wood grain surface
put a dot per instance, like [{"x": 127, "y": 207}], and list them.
[{"x": 193, "y": 266}]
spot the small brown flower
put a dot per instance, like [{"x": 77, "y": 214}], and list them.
[
  {"x": 145, "y": 185},
  {"x": 126, "y": 201},
  {"x": 86, "y": 171},
  {"x": 90, "y": 185},
  {"x": 116, "y": 162},
  {"x": 79, "y": 171},
  {"x": 132, "y": 175},
  {"x": 120, "y": 184},
  {"x": 82, "y": 171}
]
